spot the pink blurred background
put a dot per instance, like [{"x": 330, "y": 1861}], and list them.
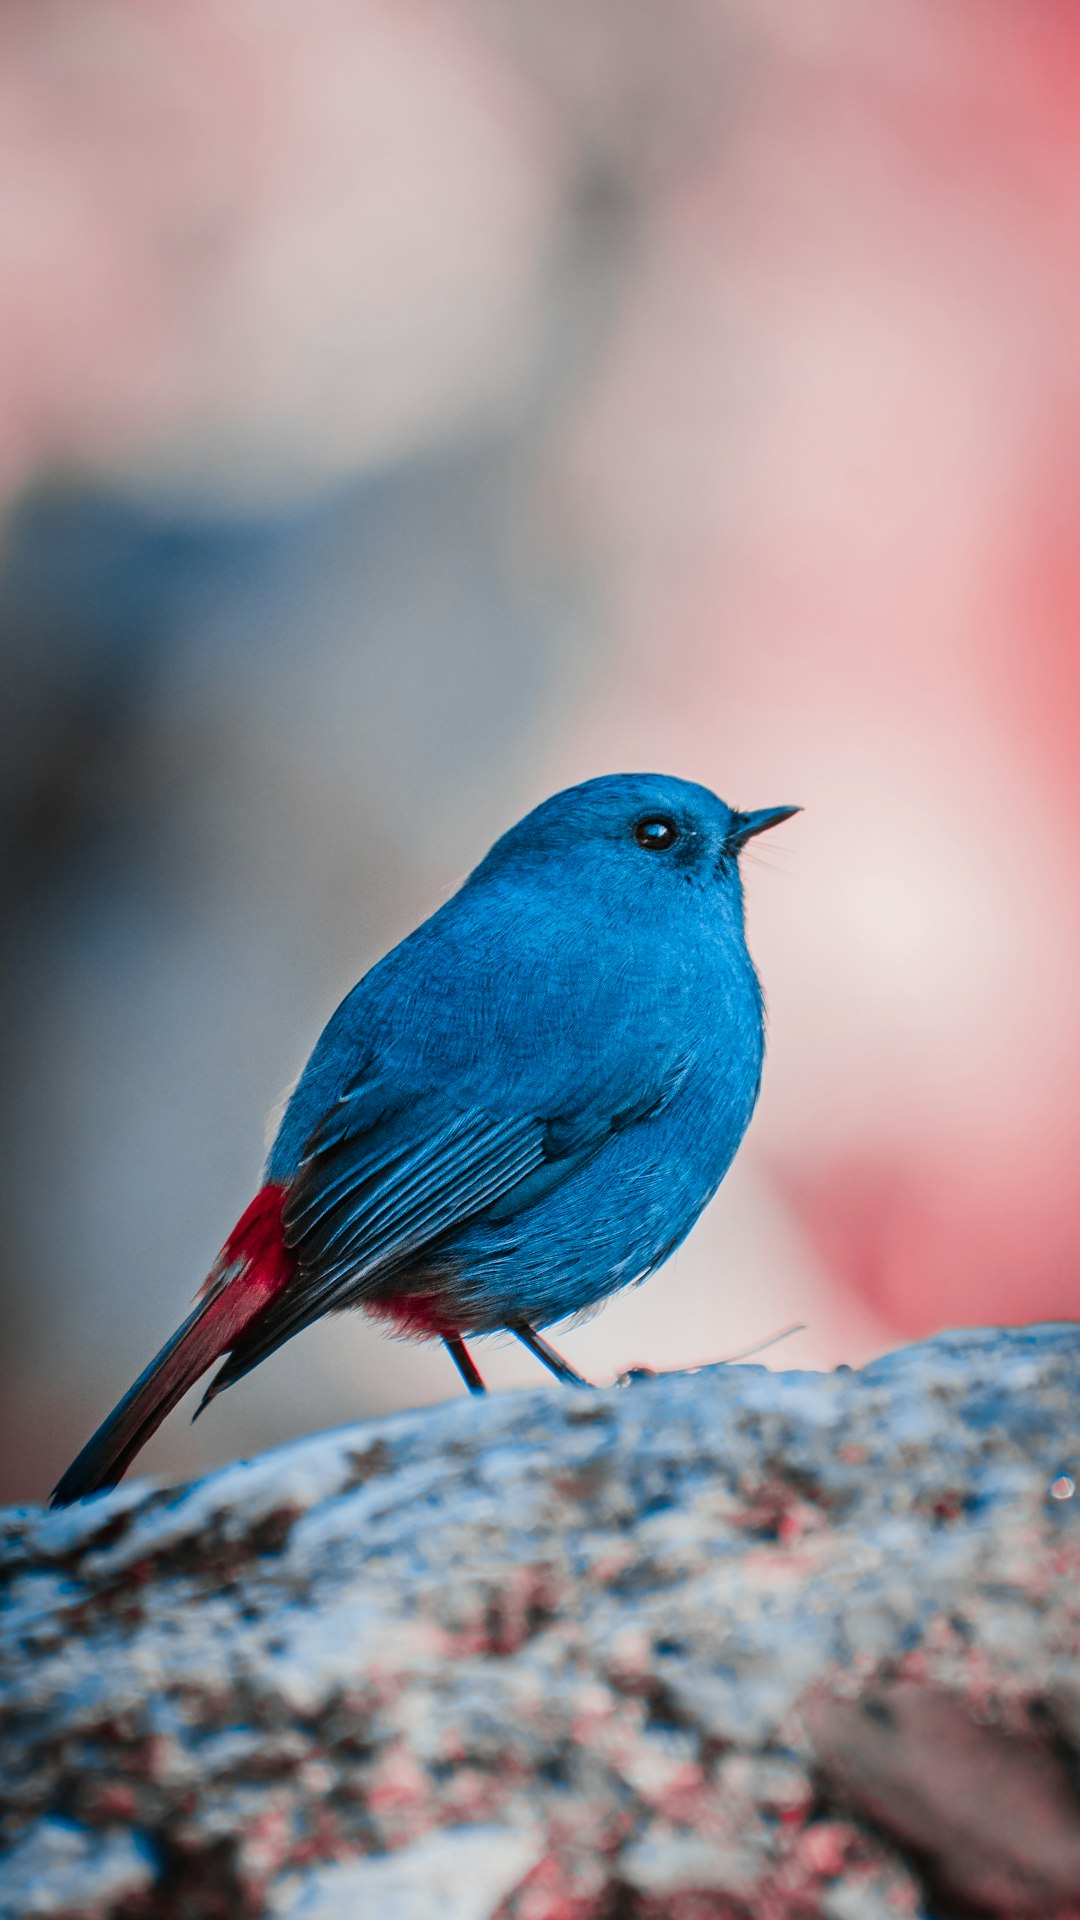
[{"x": 407, "y": 410}]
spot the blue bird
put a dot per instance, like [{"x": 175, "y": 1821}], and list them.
[{"x": 521, "y": 1109}]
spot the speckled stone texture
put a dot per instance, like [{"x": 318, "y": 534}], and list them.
[{"x": 734, "y": 1643}]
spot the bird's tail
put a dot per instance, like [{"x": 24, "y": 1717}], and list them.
[{"x": 253, "y": 1266}]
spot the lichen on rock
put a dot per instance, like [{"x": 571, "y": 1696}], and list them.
[{"x": 733, "y": 1643}]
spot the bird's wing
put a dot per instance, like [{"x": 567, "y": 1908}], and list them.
[
  {"x": 384, "y": 1177},
  {"x": 375, "y": 1186}
]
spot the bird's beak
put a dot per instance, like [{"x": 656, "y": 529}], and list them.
[{"x": 745, "y": 825}]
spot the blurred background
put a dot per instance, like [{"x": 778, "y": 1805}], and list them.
[{"x": 406, "y": 410}]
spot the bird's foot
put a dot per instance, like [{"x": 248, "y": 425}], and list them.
[
  {"x": 465, "y": 1364},
  {"x": 549, "y": 1358}
]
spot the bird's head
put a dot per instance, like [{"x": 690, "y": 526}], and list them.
[{"x": 635, "y": 836}]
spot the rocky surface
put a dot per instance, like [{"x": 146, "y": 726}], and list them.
[{"x": 733, "y": 1643}]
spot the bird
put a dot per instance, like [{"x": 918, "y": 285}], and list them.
[{"x": 521, "y": 1109}]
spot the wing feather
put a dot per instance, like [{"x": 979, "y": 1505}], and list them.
[
  {"x": 447, "y": 1183},
  {"x": 385, "y": 1177},
  {"x": 376, "y": 1173},
  {"x": 383, "y": 1211}
]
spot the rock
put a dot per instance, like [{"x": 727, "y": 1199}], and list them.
[
  {"x": 561, "y": 1656},
  {"x": 463, "y": 1873},
  {"x": 59, "y": 1869},
  {"x": 992, "y": 1814}
]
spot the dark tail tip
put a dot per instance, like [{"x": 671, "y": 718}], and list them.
[
  {"x": 88, "y": 1474},
  {"x": 253, "y": 1266},
  {"x": 109, "y": 1452}
]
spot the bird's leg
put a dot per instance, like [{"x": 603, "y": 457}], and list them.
[
  {"x": 549, "y": 1358},
  {"x": 465, "y": 1364}
]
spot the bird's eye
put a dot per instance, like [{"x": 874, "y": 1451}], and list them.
[{"x": 656, "y": 833}]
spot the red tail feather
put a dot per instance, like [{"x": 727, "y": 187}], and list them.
[
  {"x": 256, "y": 1250},
  {"x": 252, "y": 1267}
]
